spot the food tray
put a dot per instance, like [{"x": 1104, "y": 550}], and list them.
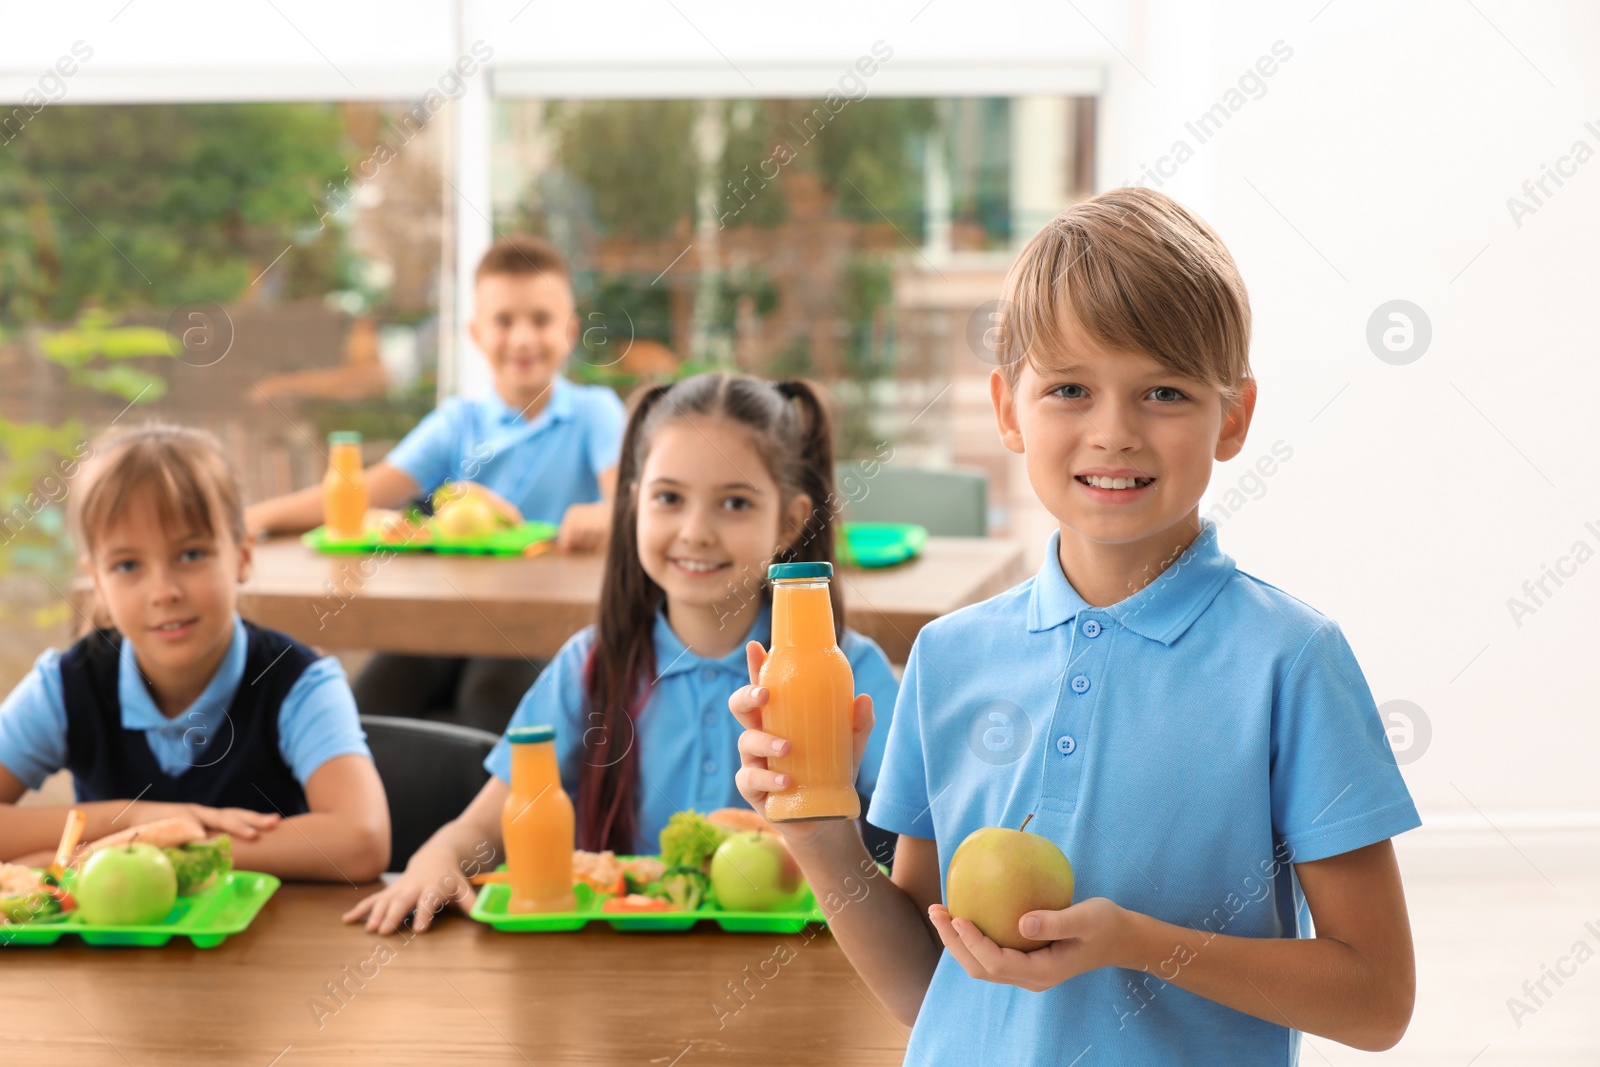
[
  {"x": 205, "y": 918},
  {"x": 490, "y": 908},
  {"x": 511, "y": 541}
]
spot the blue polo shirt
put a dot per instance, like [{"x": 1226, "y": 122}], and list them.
[
  {"x": 1184, "y": 747},
  {"x": 688, "y": 743},
  {"x": 316, "y": 723},
  {"x": 542, "y": 465}
]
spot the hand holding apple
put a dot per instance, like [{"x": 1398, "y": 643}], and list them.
[
  {"x": 1091, "y": 934},
  {"x": 998, "y": 875}
]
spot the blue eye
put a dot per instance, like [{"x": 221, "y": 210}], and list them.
[
  {"x": 1177, "y": 395},
  {"x": 193, "y": 555},
  {"x": 1059, "y": 391},
  {"x": 123, "y": 566}
]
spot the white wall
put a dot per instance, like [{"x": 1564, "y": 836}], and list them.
[
  {"x": 1424, "y": 496},
  {"x": 1376, "y": 165}
]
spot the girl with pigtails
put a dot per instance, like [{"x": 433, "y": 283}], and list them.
[{"x": 720, "y": 476}]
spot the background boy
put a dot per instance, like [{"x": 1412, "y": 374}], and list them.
[
  {"x": 1202, "y": 746},
  {"x": 545, "y": 444}
]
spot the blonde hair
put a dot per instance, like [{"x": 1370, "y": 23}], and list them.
[
  {"x": 182, "y": 471},
  {"x": 1139, "y": 272}
]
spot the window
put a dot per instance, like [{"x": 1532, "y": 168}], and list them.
[{"x": 848, "y": 240}]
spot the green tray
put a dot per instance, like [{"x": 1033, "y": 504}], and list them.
[
  {"x": 205, "y": 918},
  {"x": 881, "y": 544},
  {"x": 510, "y": 541},
  {"x": 490, "y": 908}
]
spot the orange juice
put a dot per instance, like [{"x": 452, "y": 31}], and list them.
[
  {"x": 812, "y": 691},
  {"x": 537, "y": 825},
  {"x": 344, "y": 487}
]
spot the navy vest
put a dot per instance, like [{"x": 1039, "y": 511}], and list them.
[{"x": 240, "y": 765}]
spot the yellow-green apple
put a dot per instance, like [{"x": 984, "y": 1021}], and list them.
[{"x": 997, "y": 876}]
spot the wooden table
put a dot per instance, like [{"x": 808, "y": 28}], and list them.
[
  {"x": 460, "y": 993},
  {"x": 467, "y": 606}
]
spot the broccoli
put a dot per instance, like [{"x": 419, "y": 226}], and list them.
[
  {"x": 686, "y": 887},
  {"x": 689, "y": 839}
]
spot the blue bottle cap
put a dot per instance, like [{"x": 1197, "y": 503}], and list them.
[
  {"x": 799, "y": 570},
  {"x": 525, "y": 735}
]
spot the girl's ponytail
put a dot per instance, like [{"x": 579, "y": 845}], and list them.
[
  {"x": 815, "y": 542},
  {"x": 617, "y": 672}
]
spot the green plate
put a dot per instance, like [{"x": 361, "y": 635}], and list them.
[
  {"x": 510, "y": 541},
  {"x": 205, "y": 918},
  {"x": 881, "y": 544},
  {"x": 490, "y": 908}
]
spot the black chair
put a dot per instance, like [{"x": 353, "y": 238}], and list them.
[{"x": 431, "y": 771}]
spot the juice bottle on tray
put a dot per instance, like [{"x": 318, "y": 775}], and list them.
[
  {"x": 812, "y": 691},
  {"x": 344, "y": 487},
  {"x": 537, "y": 825}
]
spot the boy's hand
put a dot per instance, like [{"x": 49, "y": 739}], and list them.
[
  {"x": 584, "y": 527},
  {"x": 1091, "y": 934},
  {"x": 753, "y": 779}
]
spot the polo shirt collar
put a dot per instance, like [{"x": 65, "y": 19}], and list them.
[
  {"x": 1161, "y": 611},
  {"x": 558, "y": 408},
  {"x": 139, "y": 711},
  {"x": 673, "y": 656}
]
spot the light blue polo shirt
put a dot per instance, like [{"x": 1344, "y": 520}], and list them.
[
  {"x": 1183, "y": 746},
  {"x": 688, "y": 743},
  {"x": 316, "y": 723},
  {"x": 542, "y": 465}
]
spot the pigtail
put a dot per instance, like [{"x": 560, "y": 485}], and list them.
[
  {"x": 616, "y": 675},
  {"x": 816, "y": 542}
]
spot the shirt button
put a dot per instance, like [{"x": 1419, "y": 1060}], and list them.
[
  {"x": 1080, "y": 684},
  {"x": 1066, "y": 745},
  {"x": 708, "y": 674},
  {"x": 708, "y": 718},
  {"x": 1091, "y": 628},
  {"x": 709, "y": 766}
]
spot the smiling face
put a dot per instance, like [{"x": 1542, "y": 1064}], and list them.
[
  {"x": 1118, "y": 448},
  {"x": 172, "y": 594},
  {"x": 525, "y": 325},
  {"x": 711, "y": 517}
]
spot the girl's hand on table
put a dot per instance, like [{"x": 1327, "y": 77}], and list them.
[
  {"x": 425, "y": 888},
  {"x": 1091, "y": 934},
  {"x": 754, "y": 780}
]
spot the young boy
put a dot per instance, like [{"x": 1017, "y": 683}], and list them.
[
  {"x": 1201, "y": 745},
  {"x": 544, "y": 444}
]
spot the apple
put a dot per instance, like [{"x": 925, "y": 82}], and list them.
[
  {"x": 997, "y": 876},
  {"x": 471, "y": 516},
  {"x": 753, "y": 871},
  {"x": 126, "y": 885}
]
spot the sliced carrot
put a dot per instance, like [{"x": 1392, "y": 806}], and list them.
[{"x": 635, "y": 903}]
